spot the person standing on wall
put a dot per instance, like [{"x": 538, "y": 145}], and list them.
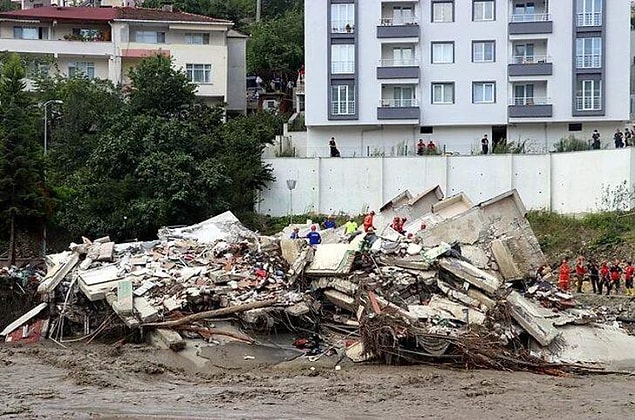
[
  {"x": 484, "y": 145},
  {"x": 596, "y": 140},
  {"x": 333, "y": 147}
]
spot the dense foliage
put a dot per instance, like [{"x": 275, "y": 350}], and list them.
[{"x": 125, "y": 164}]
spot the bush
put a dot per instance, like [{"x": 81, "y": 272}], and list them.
[{"x": 571, "y": 144}]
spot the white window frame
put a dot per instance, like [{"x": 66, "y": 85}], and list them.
[
  {"x": 199, "y": 73},
  {"x": 589, "y": 12},
  {"x": 404, "y": 96},
  {"x": 442, "y": 59},
  {"x": 196, "y": 38},
  {"x": 480, "y": 51},
  {"x": 403, "y": 56},
  {"x": 592, "y": 60},
  {"x": 150, "y": 37},
  {"x": 440, "y": 15},
  {"x": 342, "y": 100},
  {"x": 528, "y": 94},
  {"x": 482, "y": 88},
  {"x": 342, "y": 58},
  {"x": 589, "y": 95},
  {"x": 486, "y": 12},
  {"x": 342, "y": 18},
  {"x": 86, "y": 68},
  {"x": 403, "y": 15},
  {"x": 442, "y": 93}
]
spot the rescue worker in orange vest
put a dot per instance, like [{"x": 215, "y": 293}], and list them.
[
  {"x": 564, "y": 274},
  {"x": 368, "y": 221}
]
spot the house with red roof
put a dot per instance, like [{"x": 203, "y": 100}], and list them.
[{"x": 106, "y": 42}]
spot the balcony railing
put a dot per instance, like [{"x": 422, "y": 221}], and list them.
[
  {"x": 530, "y": 59},
  {"x": 529, "y": 101},
  {"x": 342, "y": 27},
  {"x": 588, "y": 103},
  {"x": 589, "y": 19},
  {"x": 593, "y": 61},
  {"x": 399, "y": 63},
  {"x": 342, "y": 67},
  {"x": 399, "y": 103},
  {"x": 398, "y": 21},
  {"x": 530, "y": 17}
]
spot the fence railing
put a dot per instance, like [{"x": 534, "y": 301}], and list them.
[
  {"x": 588, "y": 103},
  {"x": 399, "y": 62},
  {"x": 399, "y": 21},
  {"x": 589, "y": 19},
  {"x": 530, "y": 59},
  {"x": 399, "y": 103},
  {"x": 529, "y": 101},
  {"x": 530, "y": 17},
  {"x": 592, "y": 61}
]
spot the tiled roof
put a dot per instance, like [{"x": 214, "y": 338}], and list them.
[{"x": 107, "y": 14}]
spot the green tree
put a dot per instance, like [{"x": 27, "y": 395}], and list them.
[
  {"x": 158, "y": 88},
  {"x": 277, "y": 45},
  {"x": 22, "y": 191}
]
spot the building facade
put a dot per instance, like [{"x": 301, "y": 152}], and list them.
[
  {"x": 106, "y": 42},
  {"x": 381, "y": 74}
]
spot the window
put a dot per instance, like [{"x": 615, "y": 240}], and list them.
[
  {"x": 442, "y": 52},
  {"x": 403, "y": 56},
  {"x": 342, "y": 18},
  {"x": 150, "y": 37},
  {"x": 528, "y": 8},
  {"x": 87, "y": 34},
  {"x": 199, "y": 73},
  {"x": 82, "y": 69},
  {"x": 403, "y": 97},
  {"x": 443, "y": 93},
  {"x": 195, "y": 38},
  {"x": 589, "y": 95},
  {"x": 483, "y": 10},
  {"x": 588, "y": 53},
  {"x": 483, "y": 92},
  {"x": 343, "y": 100},
  {"x": 426, "y": 130},
  {"x": 483, "y": 51},
  {"x": 575, "y": 127},
  {"x": 342, "y": 58},
  {"x": 523, "y": 53},
  {"x": 27, "y": 32},
  {"x": 35, "y": 70},
  {"x": 589, "y": 12},
  {"x": 403, "y": 15},
  {"x": 443, "y": 11},
  {"x": 524, "y": 94}
]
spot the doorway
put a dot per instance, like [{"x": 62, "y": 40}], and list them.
[{"x": 499, "y": 135}]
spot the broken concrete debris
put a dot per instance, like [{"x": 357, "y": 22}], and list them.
[{"x": 458, "y": 287}]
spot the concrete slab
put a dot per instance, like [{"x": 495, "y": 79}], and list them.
[
  {"x": 341, "y": 300},
  {"x": 23, "y": 319},
  {"x": 64, "y": 263},
  {"x": 145, "y": 311},
  {"x": 467, "y": 272},
  {"x": 331, "y": 259},
  {"x": 505, "y": 261},
  {"x": 531, "y": 318}
]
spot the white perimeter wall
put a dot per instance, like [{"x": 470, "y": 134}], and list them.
[{"x": 562, "y": 182}]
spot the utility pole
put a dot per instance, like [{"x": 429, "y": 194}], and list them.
[{"x": 258, "y": 9}]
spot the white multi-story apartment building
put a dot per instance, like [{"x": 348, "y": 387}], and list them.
[
  {"x": 381, "y": 74},
  {"x": 106, "y": 42}
]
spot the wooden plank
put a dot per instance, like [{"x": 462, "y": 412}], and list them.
[
  {"x": 58, "y": 273},
  {"x": 24, "y": 318}
]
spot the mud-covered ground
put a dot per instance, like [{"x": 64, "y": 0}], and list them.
[{"x": 134, "y": 381}]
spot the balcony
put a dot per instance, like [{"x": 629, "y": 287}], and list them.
[
  {"x": 43, "y": 46},
  {"x": 398, "y": 109},
  {"x": 535, "y": 65},
  {"x": 398, "y": 28},
  {"x": 342, "y": 28},
  {"x": 398, "y": 69},
  {"x": 530, "y": 23},
  {"x": 590, "y": 20},
  {"x": 530, "y": 107}
]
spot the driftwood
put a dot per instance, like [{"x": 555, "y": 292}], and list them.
[{"x": 213, "y": 314}]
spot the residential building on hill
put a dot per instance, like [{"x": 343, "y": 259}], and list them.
[
  {"x": 106, "y": 42},
  {"x": 381, "y": 74}
]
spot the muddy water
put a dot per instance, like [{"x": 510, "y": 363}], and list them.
[{"x": 132, "y": 382}]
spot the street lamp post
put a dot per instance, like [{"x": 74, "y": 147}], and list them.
[{"x": 45, "y": 106}]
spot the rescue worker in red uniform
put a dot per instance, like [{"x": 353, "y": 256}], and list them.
[
  {"x": 564, "y": 274},
  {"x": 368, "y": 221}
]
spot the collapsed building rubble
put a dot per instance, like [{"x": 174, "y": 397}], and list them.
[{"x": 459, "y": 287}]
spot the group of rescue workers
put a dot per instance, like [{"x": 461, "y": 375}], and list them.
[{"x": 603, "y": 275}]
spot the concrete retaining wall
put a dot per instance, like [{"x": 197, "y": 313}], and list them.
[{"x": 567, "y": 183}]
